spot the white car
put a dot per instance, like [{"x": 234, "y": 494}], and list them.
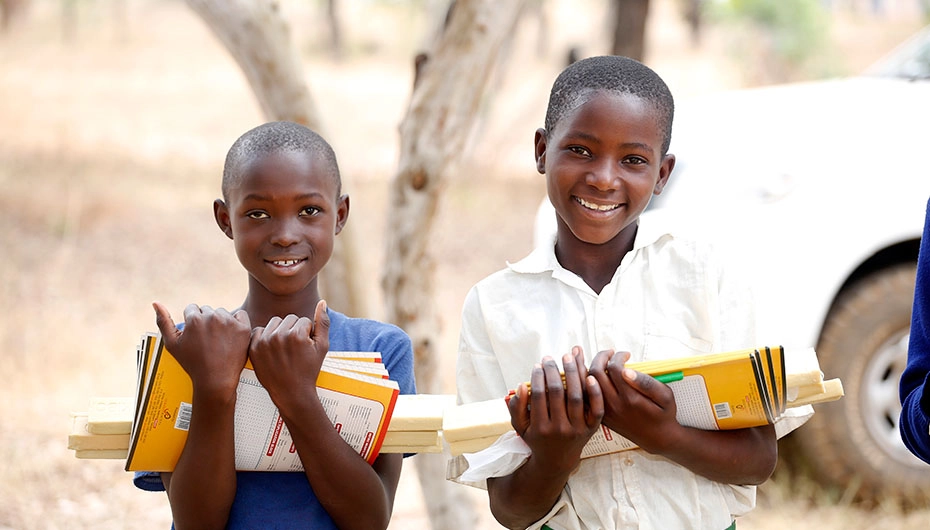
[{"x": 821, "y": 189}]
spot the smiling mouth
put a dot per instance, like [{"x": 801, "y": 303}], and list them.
[
  {"x": 596, "y": 207},
  {"x": 286, "y": 262}
]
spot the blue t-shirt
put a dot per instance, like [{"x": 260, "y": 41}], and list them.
[{"x": 286, "y": 500}]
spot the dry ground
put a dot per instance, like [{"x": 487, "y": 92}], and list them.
[{"x": 111, "y": 141}]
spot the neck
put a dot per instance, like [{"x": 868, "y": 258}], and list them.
[
  {"x": 262, "y": 305},
  {"x": 596, "y": 264}
]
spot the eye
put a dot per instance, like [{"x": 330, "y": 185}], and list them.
[
  {"x": 256, "y": 214},
  {"x": 635, "y": 160},
  {"x": 310, "y": 211},
  {"x": 578, "y": 150}
]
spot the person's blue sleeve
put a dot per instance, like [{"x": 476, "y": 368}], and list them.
[
  {"x": 148, "y": 481},
  {"x": 914, "y": 386}
]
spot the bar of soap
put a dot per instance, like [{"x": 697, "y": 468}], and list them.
[
  {"x": 80, "y": 439},
  {"x": 481, "y": 419},
  {"x": 110, "y": 415}
]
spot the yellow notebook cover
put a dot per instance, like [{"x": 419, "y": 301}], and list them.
[{"x": 359, "y": 405}]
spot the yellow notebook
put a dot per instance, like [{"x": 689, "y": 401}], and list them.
[{"x": 358, "y": 398}]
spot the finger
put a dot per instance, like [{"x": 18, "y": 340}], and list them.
[
  {"x": 539, "y": 410},
  {"x": 648, "y": 386},
  {"x": 598, "y": 368},
  {"x": 595, "y": 402},
  {"x": 255, "y": 337},
  {"x": 289, "y": 322},
  {"x": 554, "y": 387},
  {"x": 574, "y": 389},
  {"x": 271, "y": 326},
  {"x": 166, "y": 326},
  {"x": 615, "y": 367},
  {"x": 191, "y": 312},
  {"x": 242, "y": 317},
  {"x": 302, "y": 329},
  {"x": 319, "y": 334},
  {"x": 519, "y": 415}
]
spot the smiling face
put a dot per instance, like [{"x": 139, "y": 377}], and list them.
[
  {"x": 603, "y": 162},
  {"x": 283, "y": 214}
]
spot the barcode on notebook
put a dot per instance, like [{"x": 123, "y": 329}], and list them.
[
  {"x": 722, "y": 410},
  {"x": 183, "y": 421}
]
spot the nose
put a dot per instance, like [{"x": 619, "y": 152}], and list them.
[
  {"x": 285, "y": 232},
  {"x": 605, "y": 175}
]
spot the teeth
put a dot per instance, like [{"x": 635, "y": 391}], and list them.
[
  {"x": 286, "y": 263},
  {"x": 598, "y": 207}
]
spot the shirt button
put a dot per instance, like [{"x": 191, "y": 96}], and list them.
[{"x": 628, "y": 461}]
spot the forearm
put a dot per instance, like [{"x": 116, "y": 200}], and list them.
[
  {"x": 741, "y": 456},
  {"x": 341, "y": 479},
  {"x": 526, "y": 495},
  {"x": 915, "y": 421},
  {"x": 202, "y": 487}
]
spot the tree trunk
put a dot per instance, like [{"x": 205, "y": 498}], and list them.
[
  {"x": 629, "y": 28},
  {"x": 433, "y": 134},
  {"x": 258, "y": 38}
]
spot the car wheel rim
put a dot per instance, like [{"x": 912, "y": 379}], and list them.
[{"x": 879, "y": 399}]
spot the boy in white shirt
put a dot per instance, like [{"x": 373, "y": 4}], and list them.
[{"x": 608, "y": 286}]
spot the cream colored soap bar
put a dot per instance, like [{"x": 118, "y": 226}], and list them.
[
  {"x": 102, "y": 454},
  {"x": 110, "y": 415},
  {"x": 420, "y": 412},
  {"x": 805, "y": 391},
  {"x": 80, "y": 439},
  {"x": 833, "y": 390},
  {"x": 472, "y": 446},
  {"x": 802, "y": 367},
  {"x": 480, "y": 419},
  {"x": 402, "y": 438}
]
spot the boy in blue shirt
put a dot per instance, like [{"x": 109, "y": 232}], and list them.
[{"x": 282, "y": 206}]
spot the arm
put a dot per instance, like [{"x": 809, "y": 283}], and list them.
[
  {"x": 915, "y": 381},
  {"x": 287, "y": 355},
  {"x": 212, "y": 350},
  {"x": 556, "y": 423},
  {"x": 643, "y": 410}
]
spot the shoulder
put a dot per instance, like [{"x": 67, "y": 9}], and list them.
[
  {"x": 367, "y": 335},
  {"x": 363, "y": 331}
]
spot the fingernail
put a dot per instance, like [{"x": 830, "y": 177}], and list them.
[{"x": 629, "y": 373}]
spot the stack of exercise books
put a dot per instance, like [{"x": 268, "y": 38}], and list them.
[
  {"x": 150, "y": 430},
  {"x": 730, "y": 390}
]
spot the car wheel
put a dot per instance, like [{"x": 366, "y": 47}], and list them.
[{"x": 854, "y": 443}]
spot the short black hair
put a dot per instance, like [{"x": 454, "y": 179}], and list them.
[
  {"x": 611, "y": 73},
  {"x": 275, "y": 137}
]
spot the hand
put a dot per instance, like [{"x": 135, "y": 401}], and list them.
[
  {"x": 212, "y": 348},
  {"x": 636, "y": 406},
  {"x": 287, "y": 355},
  {"x": 556, "y": 421}
]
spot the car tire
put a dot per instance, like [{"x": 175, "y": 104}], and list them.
[{"x": 854, "y": 443}]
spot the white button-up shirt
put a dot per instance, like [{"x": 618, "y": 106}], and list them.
[{"x": 669, "y": 298}]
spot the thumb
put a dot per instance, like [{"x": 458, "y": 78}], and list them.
[
  {"x": 648, "y": 386},
  {"x": 519, "y": 414},
  {"x": 169, "y": 331},
  {"x": 320, "y": 331}
]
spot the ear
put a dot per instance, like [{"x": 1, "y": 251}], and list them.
[
  {"x": 539, "y": 144},
  {"x": 342, "y": 212},
  {"x": 221, "y": 214},
  {"x": 665, "y": 171}
]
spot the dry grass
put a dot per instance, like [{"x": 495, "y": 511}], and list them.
[{"x": 110, "y": 148}]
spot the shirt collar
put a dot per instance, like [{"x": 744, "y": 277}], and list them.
[{"x": 542, "y": 258}]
